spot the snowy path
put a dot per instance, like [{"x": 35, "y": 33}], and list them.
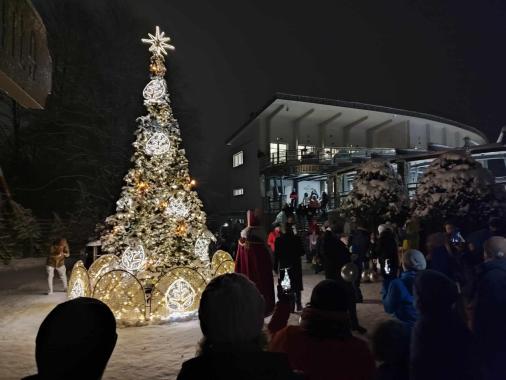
[{"x": 151, "y": 352}]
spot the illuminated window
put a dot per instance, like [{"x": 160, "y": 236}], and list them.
[
  {"x": 278, "y": 152},
  {"x": 238, "y": 159},
  {"x": 237, "y": 192},
  {"x": 306, "y": 151}
]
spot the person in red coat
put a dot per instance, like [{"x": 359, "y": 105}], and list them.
[
  {"x": 254, "y": 260},
  {"x": 322, "y": 346},
  {"x": 271, "y": 238}
]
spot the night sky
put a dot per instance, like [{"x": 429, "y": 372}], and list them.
[{"x": 440, "y": 57}]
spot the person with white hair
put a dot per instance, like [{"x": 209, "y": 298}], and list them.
[{"x": 489, "y": 323}]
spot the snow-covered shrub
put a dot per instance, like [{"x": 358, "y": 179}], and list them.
[
  {"x": 378, "y": 195},
  {"x": 456, "y": 186}
]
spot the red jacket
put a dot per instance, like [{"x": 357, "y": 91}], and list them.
[{"x": 321, "y": 359}]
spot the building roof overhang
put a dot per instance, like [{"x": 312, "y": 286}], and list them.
[{"x": 376, "y": 116}]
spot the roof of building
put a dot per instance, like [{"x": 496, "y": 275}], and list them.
[{"x": 394, "y": 112}]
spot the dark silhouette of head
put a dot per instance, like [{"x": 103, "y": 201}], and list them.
[
  {"x": 76, "y": 340},
  {"x": 390, "y": 342},
  {"x": 435, "y": 293},
  {"x": 329, "y": 295},
  {"x": 231, "y": 314},
  {"x": 496, "y": 225},
  {"x": 327, "y": 313}
]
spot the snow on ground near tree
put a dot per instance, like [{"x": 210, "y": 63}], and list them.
[{"x": 150, "y": 352}]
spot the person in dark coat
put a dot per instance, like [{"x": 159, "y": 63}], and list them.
[
  {"x": 75, "y": 341},
  {"x": 387, "y": 252},
  {"x": 397, "y": 295},
  {"x": 442, "y": 347},
  {"x": 288, "y": 251},
  {"x": 322, "y": 346},
  {"x": 439, "y": 257},
  {"x": 335, "y": 253},
  {"x": 490, "y": 309},
  {"x": 360, "y": 245},
  {"x": 390, "y": 345},
  {"x": 231, "y": 315},
  {"x": 336, "y": 256}
]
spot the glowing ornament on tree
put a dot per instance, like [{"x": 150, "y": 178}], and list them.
[
  {"x": 180, "y": 296},
  {"x": 177, "y": 208},
  {"x": 124, "y": 203},
  {"x": 202, "y": 248},
  {"x": 157, "y": 144},
  {"x": 133, "y": 258},
  {"x": 77, "y": 290},
  {"x": 155, "y": 90}
]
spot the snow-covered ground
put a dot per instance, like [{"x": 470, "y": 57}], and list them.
[{"x": 151, "y": 352}]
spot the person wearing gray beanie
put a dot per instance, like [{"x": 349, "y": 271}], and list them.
[
  {"x": 397, "y": 295},
  {"x": 413, "y": 260},
  {"x": 231, "y": 315}
]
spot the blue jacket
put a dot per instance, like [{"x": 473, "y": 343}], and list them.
[{"x": 398, "y": 298}]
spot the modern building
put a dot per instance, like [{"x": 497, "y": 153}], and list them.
[
  {"x": 305, "y": 143},
  {"x": 25, "y": 62}
]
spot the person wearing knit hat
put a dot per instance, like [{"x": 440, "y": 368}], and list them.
[
  {"x": 397, "y": 295},
  {"x": 322, "y": 346},
  {"x": 489, "y": 323},
  {"x": 413, "y": 260},
  {"x": 75, "y": 340},
  {"x": 231, "y": 315},
  {"x": 442, "y": 347}
]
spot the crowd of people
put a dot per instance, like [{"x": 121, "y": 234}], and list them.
[{"x": 446, "y": 294}]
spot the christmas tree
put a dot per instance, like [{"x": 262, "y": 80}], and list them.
[
  {"x": 378, "y": 195},
  {"x": 157, "y": 241}
]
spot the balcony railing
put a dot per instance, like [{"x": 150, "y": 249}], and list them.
[{"x": 323, "y": 156}]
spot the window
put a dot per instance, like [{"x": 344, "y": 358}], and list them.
[
  {"x": 238, "y": 191},
  {"x": 306, "y": 152},
  {"x": 497, "y": 167},
  {"x": 238, "y": 159},
  {"x": 278, "y": 152}
]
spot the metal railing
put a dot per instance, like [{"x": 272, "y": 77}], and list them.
[{"x": 323, "y": 156}]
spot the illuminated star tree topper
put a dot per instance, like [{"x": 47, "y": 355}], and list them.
[{"x": 158, "y": 42}]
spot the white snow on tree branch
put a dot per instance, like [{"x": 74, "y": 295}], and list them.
[
  {"x": 456, "y": 185},
  {"x": 378, "y": 194}
]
